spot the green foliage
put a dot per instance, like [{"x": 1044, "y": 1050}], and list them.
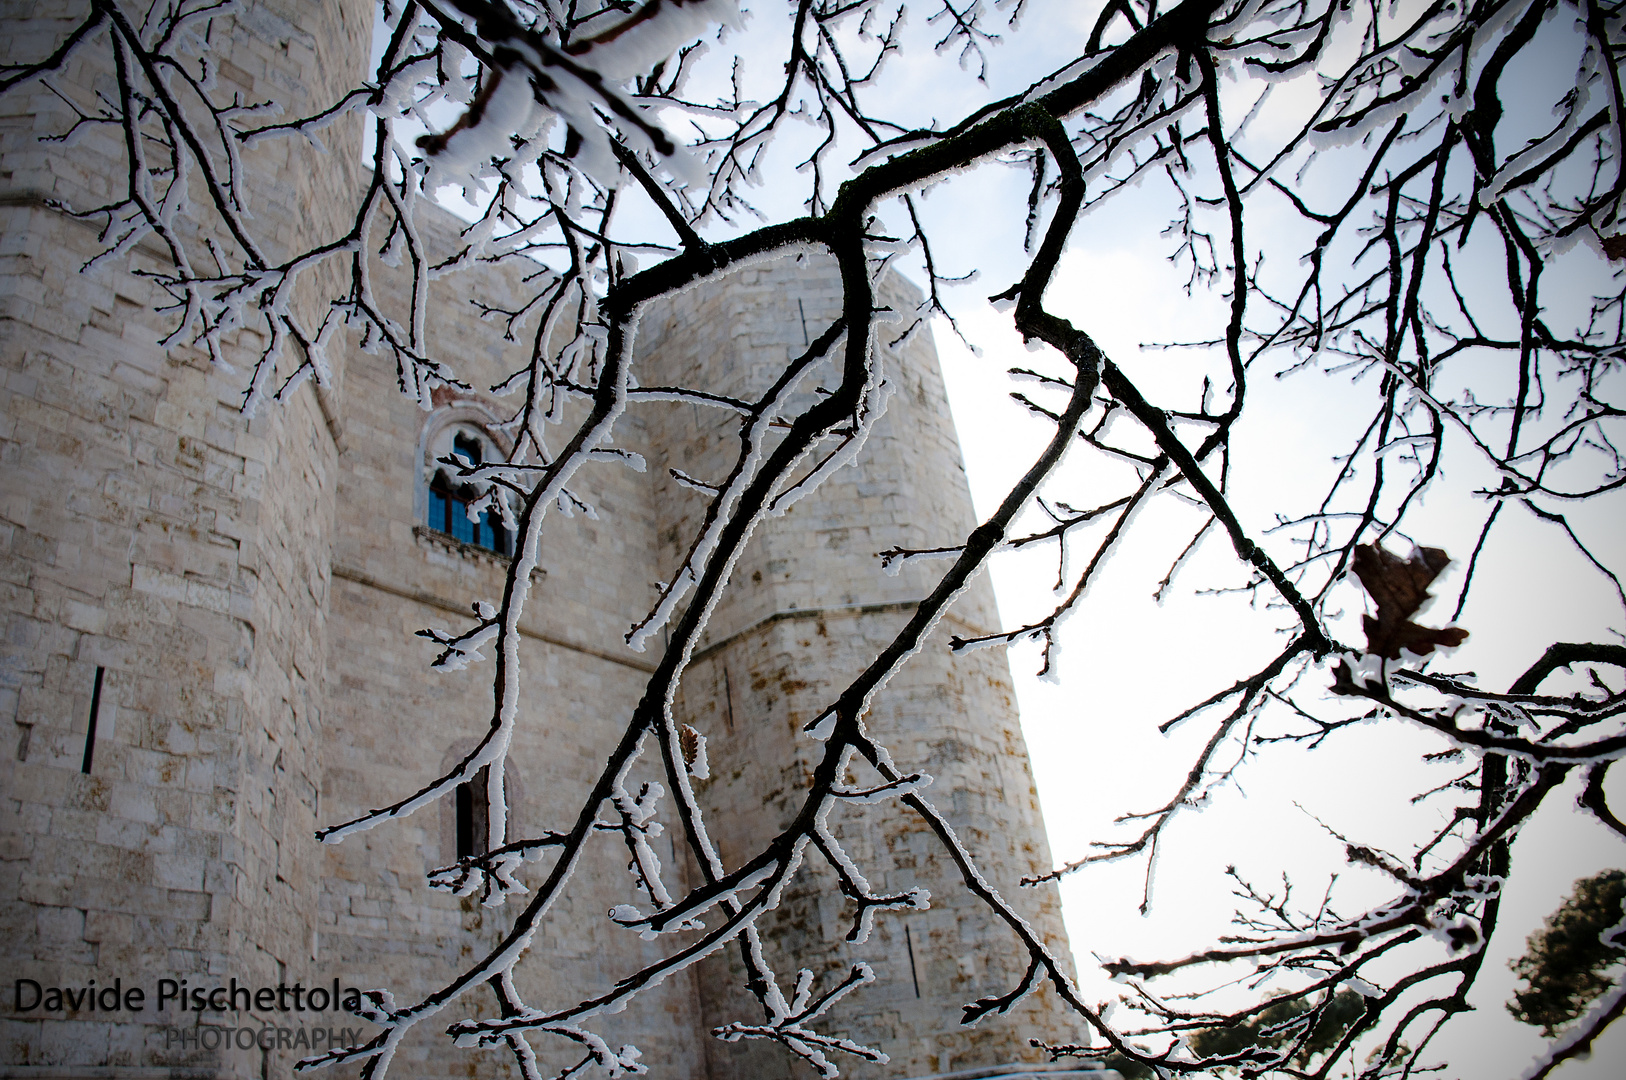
[
  {"x": 1278, "y": 1025},
  {"x": 1564, "y": 964},
  {"x": 1131, "y": 1070}
]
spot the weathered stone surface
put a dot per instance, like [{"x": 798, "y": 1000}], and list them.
[
  {"x": 812, "y": 606},
  {"x": 249, "y": 590}
]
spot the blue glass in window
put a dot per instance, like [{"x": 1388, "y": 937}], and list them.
[
  {"x": 449, "y": 505},
  {"x": 462, "y": 527},
  {"x": 437, "y": 509}
]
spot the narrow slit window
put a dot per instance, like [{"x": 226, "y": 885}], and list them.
[
  {"x": 90, "y": 728},
  {"x": 473, "y": 814},
  {"x": 909, "y": 943}
]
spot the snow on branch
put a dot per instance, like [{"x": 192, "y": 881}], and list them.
[{"x": 1329, "y": 171}]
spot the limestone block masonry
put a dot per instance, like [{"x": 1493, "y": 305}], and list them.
[
  {"x": 239, "y": 598},
  {"x": 811, "y": 605}
]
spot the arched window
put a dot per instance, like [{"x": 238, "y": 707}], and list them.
[{"x": 447, "y": 507}]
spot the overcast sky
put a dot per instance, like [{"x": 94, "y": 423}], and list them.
[{"x": 1093, "y": 739}]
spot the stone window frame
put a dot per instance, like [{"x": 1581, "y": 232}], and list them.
[{"x": 435, "y": 441}]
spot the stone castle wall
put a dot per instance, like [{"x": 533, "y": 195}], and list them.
[
  {"x": 395, "y": 725},
  {"x": 811, "y": 607},
  {"x": 148, "y": 530},
  {"x": 249, "y": 589}
]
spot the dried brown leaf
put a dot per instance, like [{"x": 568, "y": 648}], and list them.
[{"x": 1399, "y": 587}]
